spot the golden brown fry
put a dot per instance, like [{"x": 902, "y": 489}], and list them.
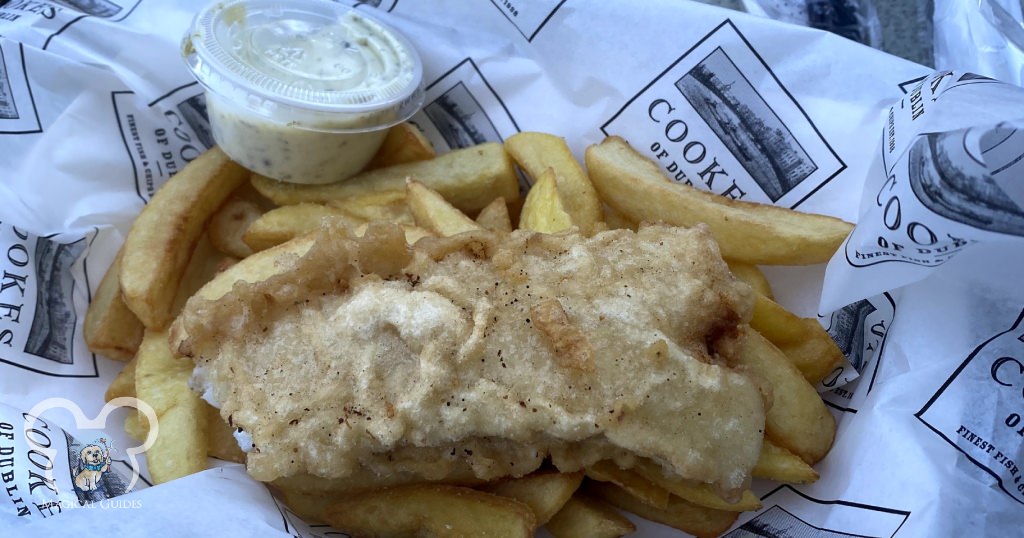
[
  {"x": 390, "y": 206},
  {"x": 404, "y": 143},
  {"x": 288, "y": 222},
  {"x": 537, "y": 152},
  {"x": 584, "y": 515},
  {"x": 260, "y": 266},
  {"x": 229, "y": 223},
  {"x": 412, "y": 233},
  {"x": 687, "y": 517},
  {"x": 695, "y": 492},
  {"x": 204, "y": 264},
  {"x": 544, "y": 210},
  {"x": 431, "y": 510},
  {"x": 162, "y": 382},
  {"x": 746, "y": 232},
  {"x": 495, "y": 216},
  {"x": 135, "y": 428},
  {"x": 545, "y": 492},
  {"x": 798, "y": 419},
  {"x": 752, "y": 276},
  {"x": 777, "y": 463},
  {"x": 111, "y": 328},
  {"x": 161, "y": 240},
  {"x": 123, "y": 384},
  {"x": 643, "y": 489},
  {"x": 616, "y": 220},
  {"x": 308, "y": 506},
  {"x": 431, "y": 211},
  {"x": 468, "y": 178},
  {"x": 804, "y": 341}
]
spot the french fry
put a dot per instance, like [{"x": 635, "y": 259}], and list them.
[
  {"x": 752, "y": 276},
  {"x": 687, "y": 517},
  {"x": 798, "y": 419},
  {"x": 123, "y": 384},
  {"x": 495, "y": 216},
  {"x": 288, "y": 222},
  {"x": 616, "y": 220},
  {"x": 404, "y": 143},
  {"x": 468, "y": 178},
  {"x": 308, "y": 506},
  {"x": 643, "y": 489},
  {"x": 584, "y": 515},
  {"x": 431, "y": 510},
  {"x": 205, "y": 263},
  {"x": 536, "y": 152},
  {"x": 162, "y": 382},
  {"x": 229, "y": 223},
  {"x": 431, "y": 211},
  {"x": 161, "y": 240},
  {"x": 390, "y": 206},
  {"x": 111, "y": 328},
  {"x": 804, "y": 341},
  {"x": 545, "y": 492},
  {"x": 544, "y": 211},
  {"x": 694, "y": 492},
  {"x": 746, "y": 232},
  {"x": 412, "y": 232},
  {"x": 134, "y": 427},
  {"x": 260, "y": 266},
  {"x": 777, "y": 463}
]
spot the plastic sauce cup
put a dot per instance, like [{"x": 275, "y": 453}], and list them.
[{"x": 301, "y": 90}]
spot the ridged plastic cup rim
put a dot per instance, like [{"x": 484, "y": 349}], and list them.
[{"x": 209, "y": 60}]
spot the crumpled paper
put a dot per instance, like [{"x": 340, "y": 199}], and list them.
[{"x": 97, "y": 110}]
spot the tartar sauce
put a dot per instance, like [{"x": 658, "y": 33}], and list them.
[{"x": 302, "y": 93}]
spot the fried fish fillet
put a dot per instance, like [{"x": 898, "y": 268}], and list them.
[{"x": 337, "y": 356}]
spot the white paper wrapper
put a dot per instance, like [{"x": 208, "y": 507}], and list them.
[
  {"x": 97, "y": 110},
  {"x": 981, "y": 37}
]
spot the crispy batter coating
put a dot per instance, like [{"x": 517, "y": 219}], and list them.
[{"x": 338, "y": 355}]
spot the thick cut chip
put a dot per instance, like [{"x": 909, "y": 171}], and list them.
[
  {"x": 777, "y": 463},
  {"x": 696, "y": 493},
  {"x": 536, "y": 152},
  {"x": 469, "y": 178},
  {"x": 544, "y": 210},
  {"x": 643, "y": 489},
  {"x": 746, "y": 232},
  {"x": 288, "y": 222},
  {"x": 752, "y": 276},
  {"x": 617, "y": 221},
  {"x": 162, "y": 382},
  {"x": 389, "y": 206},
  {"x": 545, "y": 492},
  {"x": 135, "y": 428},
  {"x": 584, "y": 515},
  {"x": 495, "y": 216},
  {"x": 111, "y": 328},
  {"x": 404, "y": 143},
  {"x": 123, "y": 385},
  {"x": 431, "y": 211},
  {"x": 229, "y": 223},
  {"x": 431, "y": 510},
  {"x": 798, "y": 419},
  {"x": 697, "y": 520},
  {"x": 161, "y": 240},
  {"x": 804, "y": 341}
]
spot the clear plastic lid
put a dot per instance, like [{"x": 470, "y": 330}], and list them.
[{"x": 310, "y": 55}]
